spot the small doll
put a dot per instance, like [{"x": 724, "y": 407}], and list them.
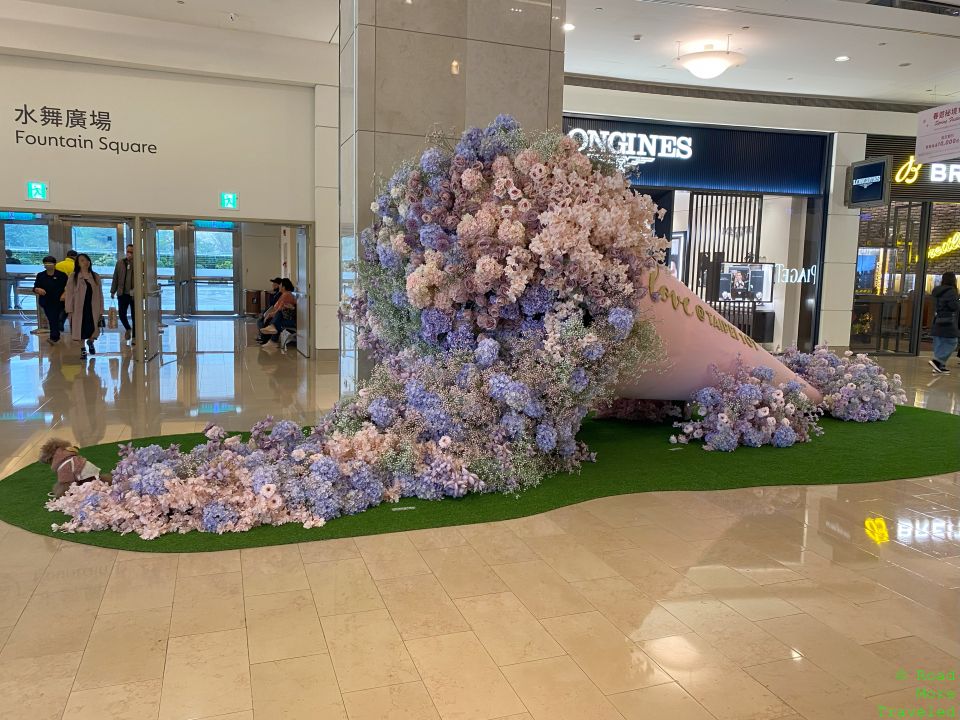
[{"x": 69, "y": 466}]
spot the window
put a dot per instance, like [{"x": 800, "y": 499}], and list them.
[
  {"x": 100, "y": 243},
  {"x": 26, "y": 245},
  {"x": 213, "y": 270}
]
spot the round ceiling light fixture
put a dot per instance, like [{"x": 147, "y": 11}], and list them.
[
  {"x": 567, "y": 27},
  {"x": 841, "y": 58},
  {"x": 710, "y": 63}
]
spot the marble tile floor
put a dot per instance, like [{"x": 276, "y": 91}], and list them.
[
  {"x": 795, "y": 606},
  {"x": 209, "y": 371}
]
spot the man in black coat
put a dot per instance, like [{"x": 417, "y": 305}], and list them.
[{"x": 49, "y": 287}]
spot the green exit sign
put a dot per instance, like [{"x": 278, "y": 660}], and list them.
[
  {"x": 229, "y": 201},
  {"x": 38, "y": 191}
]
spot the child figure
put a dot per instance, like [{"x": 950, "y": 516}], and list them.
[{"x": 69, "y": 466}]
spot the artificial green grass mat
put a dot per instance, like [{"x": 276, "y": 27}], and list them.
[{"x": 631, "y": 457}]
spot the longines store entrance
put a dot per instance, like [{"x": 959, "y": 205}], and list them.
[
  {"x": 189, "y": 268},
  {"x": 744, "y": 212},
  {"x": 903, "y": 250}
]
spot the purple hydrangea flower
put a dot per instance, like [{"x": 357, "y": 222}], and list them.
[
  {"x": 382, "y": 413},
  {"x": 388, "y": 257},
  {"x": 622, "y": 321},
  {"x": 217, "y": 517},
  {"x": 512, "y": 423},
  {"x": 433, "y": 161},
  {"x": 499, "y": 383},
  {"x": 488, "y": 350},
  {"x": 762, "y": 373},
  {"x": 433, "y": 323},
  {"x": 579, "y": 380},
  {"x": 546, "y": 437},
  {"x": 536, "y": 300},
  {"x": 594, "y": 351},
  {"x": 784, "y": 436},
  {"x": 433, "y": 237}
]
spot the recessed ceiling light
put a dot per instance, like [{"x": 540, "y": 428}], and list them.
[
  {"x": 745, "y": 27},
  {"x": 516, "y": 10},
  {"x": 841, "y": 58},
  {"x": 638, "y": 36},
  {"x": 598, "y": 9},
  {"x": 455, "y": 67},
  {"x": 881, "y": 44},
  {"x": 567, "y": 27},
  {"x": 905, "y": 64},
  {"x": 790, "y": 78}
]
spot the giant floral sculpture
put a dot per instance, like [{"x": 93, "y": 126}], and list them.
[{"x": 503, "y": 289}]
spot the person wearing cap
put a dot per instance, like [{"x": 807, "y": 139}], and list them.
[{"x": 49, "y": 287}]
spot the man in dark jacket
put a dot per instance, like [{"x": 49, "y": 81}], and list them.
[
  {"x": 49, "y": 287},
  {"x": 944, "y": 329},
  {"x": 122, "y": 289}
]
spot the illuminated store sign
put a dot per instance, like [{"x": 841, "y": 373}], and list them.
[
  {"x": 656, "y": 154},
  {"x": 910, "y": 179},
  {"x": 951, "y": 244},
  {"x": 632, "y": 148}
]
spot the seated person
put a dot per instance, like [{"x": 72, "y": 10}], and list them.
[
  {"x": 282, "y": 315},
  {"x": 272, "y": 298}
]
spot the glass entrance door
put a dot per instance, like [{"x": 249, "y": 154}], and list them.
[
  {"x": 24, "y": 241},
  {"x": 215, "y": 267},
  {"x": 886, "y": 291}
]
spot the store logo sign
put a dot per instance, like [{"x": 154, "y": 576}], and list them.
[
  {"x": 866, "y": 182},
  {"x": 941, "y": 172},
  {"x": 633, "y": 149},
  {"x": 951, "y": 244},
  {"x": 908, "y": 173},
  {"x": 795, "y": 275}
]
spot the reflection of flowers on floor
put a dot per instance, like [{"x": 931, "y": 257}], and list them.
[{"x": 499, "y": 291}]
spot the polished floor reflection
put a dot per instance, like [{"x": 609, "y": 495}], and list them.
[
  {"x": 209, "y": 371},
  {"x": 751, "y": 604},
  {"x": 786, "y": 603}
]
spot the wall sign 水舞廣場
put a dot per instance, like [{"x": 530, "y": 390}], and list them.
[{"x": 76, "y": 122}]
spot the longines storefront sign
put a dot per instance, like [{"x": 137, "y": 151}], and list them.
[{"x": 700, "y": 157}]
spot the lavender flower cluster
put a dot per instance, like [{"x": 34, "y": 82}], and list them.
[
  {"x": 854, "y": 387},
  {"x": 744, "y": 408}
]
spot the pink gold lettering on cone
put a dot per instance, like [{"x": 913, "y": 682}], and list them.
[{"x": 694, "y": 337}]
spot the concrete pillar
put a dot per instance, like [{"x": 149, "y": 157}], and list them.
[
  {"x": 840, "y": 257},
  {"x": 409, "y": 68},
  {"x": 326, "y": 290}
]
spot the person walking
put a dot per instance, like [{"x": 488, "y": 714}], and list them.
[
  {"x": 49, "y": 287},
  {"x": 85, "y": 304},
  {"x": 944, "y": 328},
  {"x": 122, "y": 289}
]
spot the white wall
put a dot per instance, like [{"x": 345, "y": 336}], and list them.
[
  {"x": 259, "y": 254},
  {"x": 211, "y": 136},
  {"x": 55, "y": 31}
]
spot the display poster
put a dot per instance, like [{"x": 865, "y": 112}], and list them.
[{"x": 938, "y": 134}]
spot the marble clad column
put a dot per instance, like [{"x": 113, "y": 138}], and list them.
[{"x": 412, "y": 67}]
